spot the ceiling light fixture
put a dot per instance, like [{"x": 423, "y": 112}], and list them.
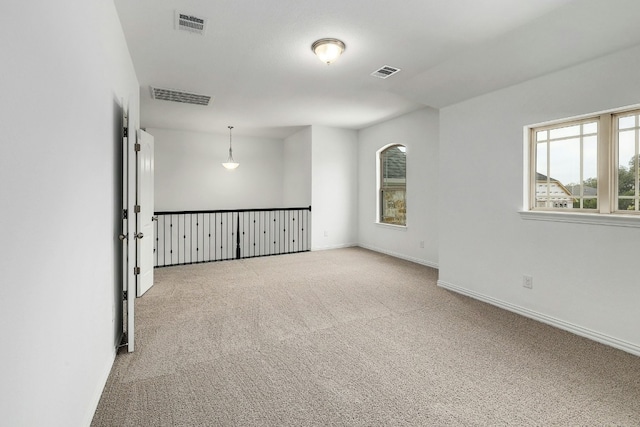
[
  {"x": 328, "y": 50},
  {"x": 230, "y": 163}
]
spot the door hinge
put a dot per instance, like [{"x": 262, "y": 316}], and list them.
[
  {"x": 125, "y": 295},
  {"x": 125, "y": 132},
  {"x": 136, "y": 147},
  {"x": 136, "y": 208},
  {"x": 124, "y": 214},
  {"x": 136, "y": 270}
]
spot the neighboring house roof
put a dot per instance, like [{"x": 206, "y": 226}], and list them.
[
  {"x": 541, "y": 177},
  {"x": 588, "y": 191}
]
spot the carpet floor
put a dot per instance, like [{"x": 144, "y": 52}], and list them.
[{"x": 351, "y": 337}]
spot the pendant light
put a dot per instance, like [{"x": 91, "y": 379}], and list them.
[
  {"x": 328, "y": 50},
  {"x": 230, "y": 163}
]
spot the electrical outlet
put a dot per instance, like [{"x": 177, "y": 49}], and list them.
[
  {"x": 421, "y": 244},
  {"x": 326, "y": 233},
  {"x": 527, "y": 282}
]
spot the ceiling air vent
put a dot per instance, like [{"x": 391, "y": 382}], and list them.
[
  {"x": 179, "y": 96},
  {"x": 190, "y": 23},
  {"x": 385, "y": 72}
]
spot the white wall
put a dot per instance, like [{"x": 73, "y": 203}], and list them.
[
  {"x": 334, "y": 187},
  {"x": 297, "y": 169},
  {"x": 60, "y": 117},
  {"x": 418, "y": 131},
  {"x": 585, "y": 277},
  {"x": 189, "y": 174}
]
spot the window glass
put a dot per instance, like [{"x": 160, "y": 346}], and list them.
[
  {"x": 626, "y": 122},
  {"x": 589, "y": 189},
  {"x": 566, "y": 162},
  {"x": 564, "y": 132},
  {"x": 393, "y": 185},
  {"x": 542, "y": 135},
  {"x": 590, "y": 128}
]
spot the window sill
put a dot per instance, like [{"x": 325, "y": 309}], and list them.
[
  {"x": 614, "y": 220},
  {"x": 392, "y": 226}
]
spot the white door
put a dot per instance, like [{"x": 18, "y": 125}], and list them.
[
  {"x": 144, "y": 212},
  {"x": 128, "y": 230}
]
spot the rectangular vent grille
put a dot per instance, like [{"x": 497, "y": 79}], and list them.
[
  {"x": 385, "y": 72},
  {"x": 179, "y": 96},
  {"x": 190, "y": 23}
]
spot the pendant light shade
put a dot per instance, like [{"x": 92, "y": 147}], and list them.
[
  {"x": 328, "y": 50},
  {"x": 230, "y": 163}
]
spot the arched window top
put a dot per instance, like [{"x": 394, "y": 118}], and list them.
[
  {"x": 394, "y": 162},
  {"x": 399, "y": 147},
  {"x": 393, "y": 184}
]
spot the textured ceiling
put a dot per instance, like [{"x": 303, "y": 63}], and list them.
[{"x": 255, "y": 58}]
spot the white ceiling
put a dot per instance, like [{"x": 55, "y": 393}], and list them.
[{"x": 256, "y": 61}]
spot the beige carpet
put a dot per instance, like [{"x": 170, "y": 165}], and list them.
[{"x": 350, "y": 337}]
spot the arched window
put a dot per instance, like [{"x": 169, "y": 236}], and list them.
[{"x": 392, "y": 172}]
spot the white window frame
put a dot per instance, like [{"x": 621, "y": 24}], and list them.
[
  {"x": 607, "y": 213},
  {"x": 532, "y": 155},
  {"x": 616, "y": 133},
  {"x": 379, "y": 188}
]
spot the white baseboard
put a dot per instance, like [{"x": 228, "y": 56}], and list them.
[
  {"x": 340, "y": 246},
  {"x": 549, "y": 320},
  {"x": 401, "y": 256},
  {"x": 95, "y": 400}
]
